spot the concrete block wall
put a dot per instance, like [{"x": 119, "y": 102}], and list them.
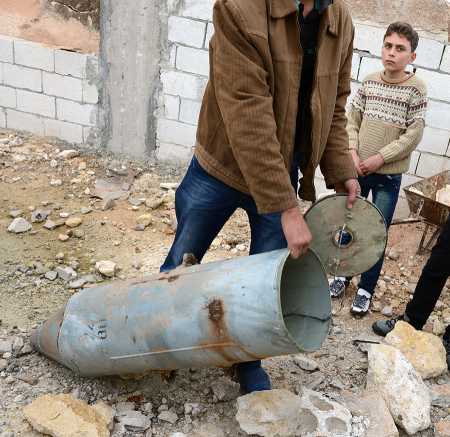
[
  {"x": 48, "y": 91},
  {"x": 185, "y": 74}
]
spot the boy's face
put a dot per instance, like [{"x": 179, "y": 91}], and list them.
[{"x": 396, "y": 53}]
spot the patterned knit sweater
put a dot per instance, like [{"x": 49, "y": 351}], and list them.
[{"x": 388, "y": 117}]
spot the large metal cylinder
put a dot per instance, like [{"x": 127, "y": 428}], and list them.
[{"x": 207, "y": 315}]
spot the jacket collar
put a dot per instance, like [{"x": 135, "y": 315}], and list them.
[{"x": 283, "y": 8}]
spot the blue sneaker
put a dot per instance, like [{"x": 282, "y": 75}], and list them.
[{"x": 252, "y": 377}]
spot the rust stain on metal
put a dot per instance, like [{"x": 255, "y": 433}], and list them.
[{"x": 216, "y": 312}]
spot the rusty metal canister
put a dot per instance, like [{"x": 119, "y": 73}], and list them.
[{"x": 213, "y": 314}]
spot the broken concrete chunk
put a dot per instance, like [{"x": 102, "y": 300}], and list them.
[
  {"x": 401, "y": 386},
  {"x": 65, "y": 416},
  {"x": 19, "y": 225},
  {"x": 423, "y": 350},
  {"x": 66, "y": 273}
]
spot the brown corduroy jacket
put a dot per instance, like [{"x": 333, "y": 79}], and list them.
[{"x": 247, "y": 123}]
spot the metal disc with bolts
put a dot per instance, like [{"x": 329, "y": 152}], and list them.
[{"x": 349, "y": 242}]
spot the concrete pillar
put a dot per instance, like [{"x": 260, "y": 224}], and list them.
[{"x": 129, "y": 63}]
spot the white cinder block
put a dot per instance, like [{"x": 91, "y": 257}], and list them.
[
  {"x": 23, "y": 121},
  {"x": 90, "y": 92},
  {"x": 171, "y": 107},
  {"x": 193, "y": 60},
  {"x": 369, "y": 38},
  {"x": 186, "y": 31},
  {"x": 189, "y": 111},
  {"x": 429, "y": 53},
  {"x": 62, "y": 86},
  {"x": 430, "y": 165},
  {"x": 445, "y": 64},
  {"x": 75, "y": 112},
  {"x": 36, "y": 103},
  {"x": 438, "y": 115},
  {"x": 170, "y": 131},
  {"x": 438, "y": 84},
  {"x": 2, "y": 118},
  {"x": 209, "y": 34},
  {"x": 173, "y": 153},
  {"x": 368, "y": 66},
  {"x": 8, "y": 97},
  {"x": 70, "y": 63},
  {"x": 72, "y": 133},
  {"x": 434, "y": 141},
  {"x": 22, "y": 77},
  {"x": 182, "y": 84},
  {"x": 201, "y": 9},
  {"x": 415, "y": 156},
  {"x": 6, "y": 49},
  {"x": 356, "y": 60},
  {"x": 34, "y": 55}
]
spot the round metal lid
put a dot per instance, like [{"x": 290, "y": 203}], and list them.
[{"x": 349, "y": 242}]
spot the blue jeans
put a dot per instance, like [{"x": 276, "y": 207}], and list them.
[
  {"x": 203, "y": 204},
  {"x": 385, "y": 189}
]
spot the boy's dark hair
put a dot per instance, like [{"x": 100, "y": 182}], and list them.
[{"x": 405, "y": 30}]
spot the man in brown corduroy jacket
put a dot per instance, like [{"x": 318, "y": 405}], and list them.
[{"x": 274, "y": 104}]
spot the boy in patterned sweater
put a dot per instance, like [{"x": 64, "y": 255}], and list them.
[{"x": 385, "y": 124}]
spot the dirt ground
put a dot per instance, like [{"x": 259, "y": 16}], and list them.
[{"x": 33, "y": 177}]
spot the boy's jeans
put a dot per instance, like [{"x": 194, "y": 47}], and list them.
[
  {"x": 203, "y": 204},
  {"x": 385, "y": 190}
]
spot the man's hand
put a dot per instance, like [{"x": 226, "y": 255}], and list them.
[
  {"x": 372, "y": 164},
  {"x": 352, "y": 188},
  {"x": 296, "y": 232},
  {"x": 356, "y": 161}
]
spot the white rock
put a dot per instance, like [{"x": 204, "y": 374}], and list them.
[
  {"x": 406, "y": 395},
  {"x": 305, "y": 363},
  {"x": 225, "y": 390},
  {"x": 19, "y": 225},
  {"x": 134, "y": 421},
  {"x": 106, "y": 268},
  {"x": 68, "y": 154},
  {"x": 168, "y": 416}
]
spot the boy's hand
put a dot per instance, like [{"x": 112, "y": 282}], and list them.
[
  {"x": 372, "y": 164},
  {"x": 296, "y": 232},
  {"x": 352, "y": 188},
  {"x": 356, "y": 161}
]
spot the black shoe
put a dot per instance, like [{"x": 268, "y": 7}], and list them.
[
  {"x": 338, "y": 286},
  {"x": 446, "y": 343},
  {"x": 384, "y": 327}
]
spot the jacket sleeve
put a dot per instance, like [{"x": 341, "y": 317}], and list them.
[
  {"x": 336, "y": 163},
  {"x": 246, "y": 105},
  {"x": 410, "y": 139}
]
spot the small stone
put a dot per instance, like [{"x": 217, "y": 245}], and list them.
[
  {"x": 134, "y": 421},
  {"x": 78, "y": 283},
  {"x": 135, "y": 201},
  {"x": 63, "y": 237},
  {"x": 19, "y": 225},
  {"x": 59, "y": 256},
  {"x": 16, "y": 142},
  {"x": 153, "y": 203},
  {"x": 68, "y": 154},
  {"x": 439, "y": 327},
  {"x": 387, "y": 311},
  {"x": 53, "y": 163},
  {"x": 394, "y": 255},
  {"x": 82, "y": 166},
  {"x": 144, "y": 220},
  {"x": 168, "y": 416},
  {"x": 66, "y": 273},
  {"x": 306, "y": 363},
  {"x": 39, "y": 215},
  {"x": 56, "y": 182},
  {"x": 78, "y": 233},
  {"x": 85, "y": 210},
  {"x": 3, "y": 364},
  {"x": 169, "y": 185},
  {"x": 106, "y": 268},
  {"x": 108, "y": 204},
  {"x": 5, "y": 346},
  {"x": 14, "y": 213},
  {"x": 50, "y": 225},
  {"x": 139, "y": 227},
  {"x": 225, "y": 390},
  {"x": 74, "y": 222},
  {"x": 64, "y": 215}
]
